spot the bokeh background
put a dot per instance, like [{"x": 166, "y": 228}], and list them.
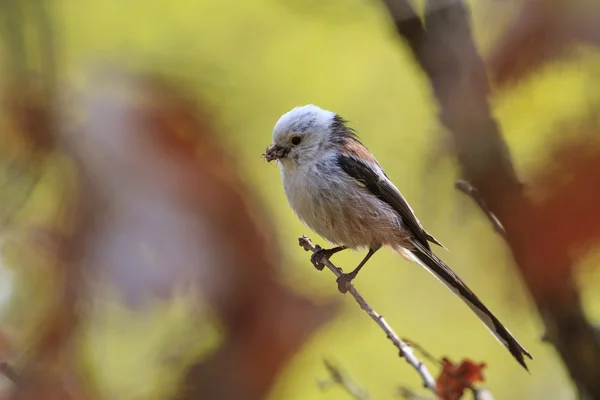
[{"x": 247, "y": 63}]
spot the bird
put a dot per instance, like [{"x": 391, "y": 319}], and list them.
[{"x": 339, "y": 190}]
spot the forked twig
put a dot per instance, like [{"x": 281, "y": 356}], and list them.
[{"x": 403, "y": 348}]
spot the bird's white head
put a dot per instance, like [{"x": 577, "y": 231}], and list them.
[{"x": 305, "y": 133}]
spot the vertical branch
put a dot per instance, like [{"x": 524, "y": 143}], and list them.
[{"x": 445, "y": 50}]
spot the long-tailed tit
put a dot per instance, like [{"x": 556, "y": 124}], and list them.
[{"x": 337, "y": 188}]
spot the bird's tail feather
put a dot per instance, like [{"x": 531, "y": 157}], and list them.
[{"x": 443, "y": 273}]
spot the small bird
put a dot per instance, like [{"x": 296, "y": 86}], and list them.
[{"x": 338, "y": 189}]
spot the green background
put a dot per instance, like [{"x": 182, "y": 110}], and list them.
[{"x": 255, "y": 60}]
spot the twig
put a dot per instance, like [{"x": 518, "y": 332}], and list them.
[
  {"x": 444, "y": 48},
  {"x": 468, "y": 189},
  {"x": 424, "y": 352},
  {"x": 345, "y": 381},
  {"x": 403, "y": 348}
]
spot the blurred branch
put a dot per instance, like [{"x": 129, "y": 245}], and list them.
[
  {"x": 445, "y": 50},
  {"x": 423, "y": 352},
  {"x": 470, "y": 191},
  {"x": 404, "y": 349},
  {"x": 343, "y": 380},
  {"x": 9, "y": 372}
]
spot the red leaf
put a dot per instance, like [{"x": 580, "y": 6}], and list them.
[{"x": 454, "y": 379}]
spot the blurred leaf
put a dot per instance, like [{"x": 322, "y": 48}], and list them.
[
  {"x": 175, "y": 214},
  {"x": 566, "y": 218},
  {"x": 47, "y": 366}
]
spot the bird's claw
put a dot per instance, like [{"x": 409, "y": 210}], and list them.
[
  {"x": 315, "y": 259},
  {"x": 343, "y": 281}
]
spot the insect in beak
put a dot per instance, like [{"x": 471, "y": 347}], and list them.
[{"x": 275, "y": 152}]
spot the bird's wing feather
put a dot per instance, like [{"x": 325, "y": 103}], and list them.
[{"x": 373, "y": 178}]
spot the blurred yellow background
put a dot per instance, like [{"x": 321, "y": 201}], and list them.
[{"x": 255, "y": 60}]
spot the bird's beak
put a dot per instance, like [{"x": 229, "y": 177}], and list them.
[{"x": 275, "y": 152}]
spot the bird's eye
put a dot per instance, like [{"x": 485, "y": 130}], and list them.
[{"x": 296, "y": 140}]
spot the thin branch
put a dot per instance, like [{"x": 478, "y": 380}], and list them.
[
  {"x": 468, "y": 189},
  {"x": 403, "y": 348},
  {"x": 424, "y": 352},
  {"x": 342, "y": 379}
]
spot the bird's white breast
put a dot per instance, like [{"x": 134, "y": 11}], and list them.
[
  {"x": 336, "y": 207},
  {"x": 305, "y": 188}
]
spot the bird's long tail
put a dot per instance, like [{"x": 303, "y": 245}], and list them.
[{"x": 441, "y": 271}]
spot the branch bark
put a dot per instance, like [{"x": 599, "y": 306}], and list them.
[
  {"x": 404, "y": 350},
  {"x": 445, "y": 50}
]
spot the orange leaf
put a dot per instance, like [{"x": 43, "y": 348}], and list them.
[{"x": 454, "y": 379}]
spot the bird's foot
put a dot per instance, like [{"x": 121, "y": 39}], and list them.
[
  {"x": 343, "y": 281},
  {"x": 318, "y": 255}
]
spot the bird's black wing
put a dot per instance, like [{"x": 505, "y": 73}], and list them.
[{"x": 381, "y": 187}]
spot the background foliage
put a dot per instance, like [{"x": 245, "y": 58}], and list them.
[{"x": 251, "y": 62}]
